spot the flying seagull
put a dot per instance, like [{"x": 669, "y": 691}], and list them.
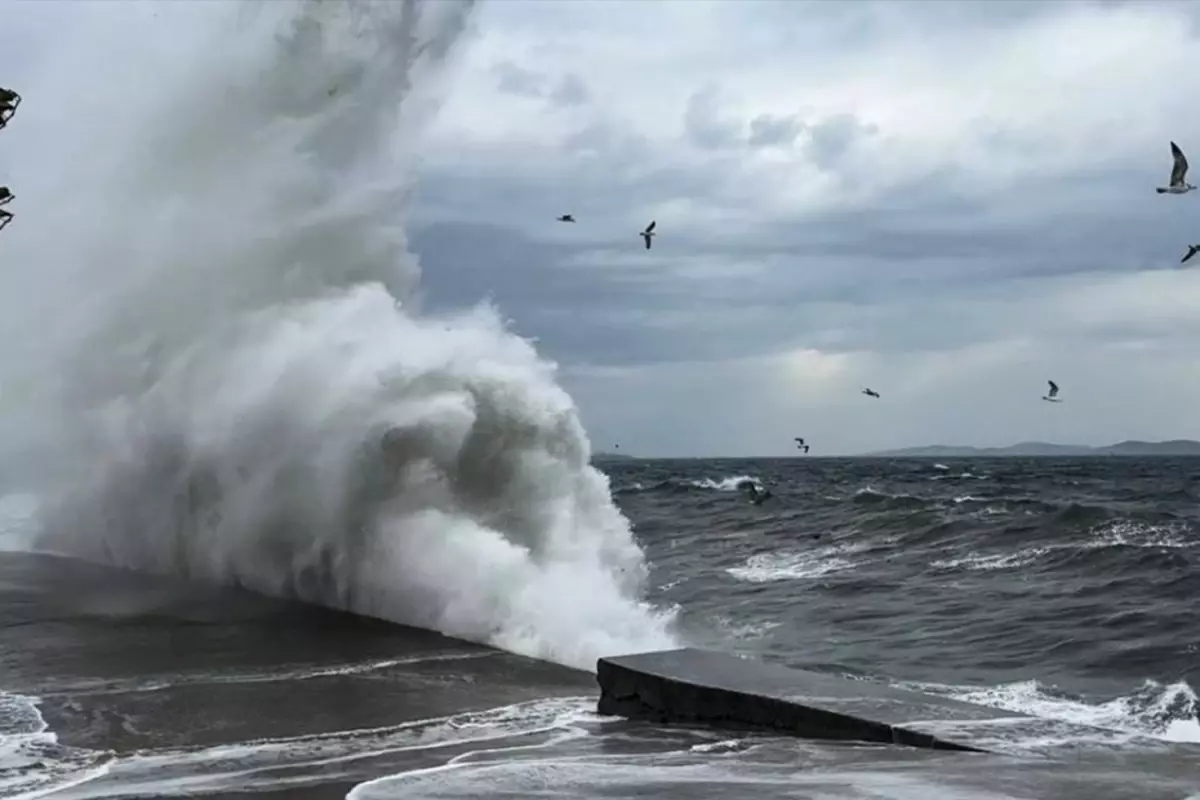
[
  {"x": 646, "y": 234},
  {"x": 1179, "y": 170},
  {"x": 870, "y": 393},
  {"x": 1052, "y": 396},
  {"x": 565, "y": 218},
  {"x": 1192, "y": 250}
]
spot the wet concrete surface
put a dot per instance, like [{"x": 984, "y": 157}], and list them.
[
  {"x": 126, "y": 665},
  {"x": 691, "y": 685}
]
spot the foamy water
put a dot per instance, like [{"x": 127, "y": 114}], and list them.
[{"x": 33, "y": 764}]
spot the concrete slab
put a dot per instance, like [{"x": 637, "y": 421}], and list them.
[{"x": 691, "y": 685}]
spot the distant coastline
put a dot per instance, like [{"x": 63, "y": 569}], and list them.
[
  {"x": 1130, "y": 448},
  {"x": 612, "y": 457},
  {"x": 1173, "y": 447}
]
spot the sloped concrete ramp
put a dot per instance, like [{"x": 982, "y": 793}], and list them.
[{"x": 705, "y": 687}]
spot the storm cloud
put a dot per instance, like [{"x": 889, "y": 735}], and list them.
[
  {"x": 939, "y": 200},
  {"x": 948, "y": 202}
]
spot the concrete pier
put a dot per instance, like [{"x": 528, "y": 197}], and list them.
[{"x": 700, "y": 686}]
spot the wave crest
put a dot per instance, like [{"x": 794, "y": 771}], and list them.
[{"x": 261, "y": 410}]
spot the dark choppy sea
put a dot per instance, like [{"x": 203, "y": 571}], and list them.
[
  {"x": 1065, "y": 587},
  {"x": 1062, "y": 588}
]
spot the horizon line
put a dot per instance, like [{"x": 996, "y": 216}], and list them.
[{"x": 903, "y": 452}]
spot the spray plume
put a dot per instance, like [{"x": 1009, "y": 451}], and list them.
[{"x": 242, "y": 388}]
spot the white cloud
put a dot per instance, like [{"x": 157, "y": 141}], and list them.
[{"x": 1061, "y": 91}]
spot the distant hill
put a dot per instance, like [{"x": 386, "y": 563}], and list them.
[
  {"x": 1174, "y": 447},
  {"x": 612, "y": 457}
]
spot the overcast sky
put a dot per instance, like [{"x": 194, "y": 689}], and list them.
[{"x": 948, "y": 202}]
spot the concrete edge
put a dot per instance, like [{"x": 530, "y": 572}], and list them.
[{"x": 633, "y": 694}]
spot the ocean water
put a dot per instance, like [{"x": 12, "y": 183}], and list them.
[
  {"x": 1055, "y": 587},
  {"x": 226, "y": 420}
]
